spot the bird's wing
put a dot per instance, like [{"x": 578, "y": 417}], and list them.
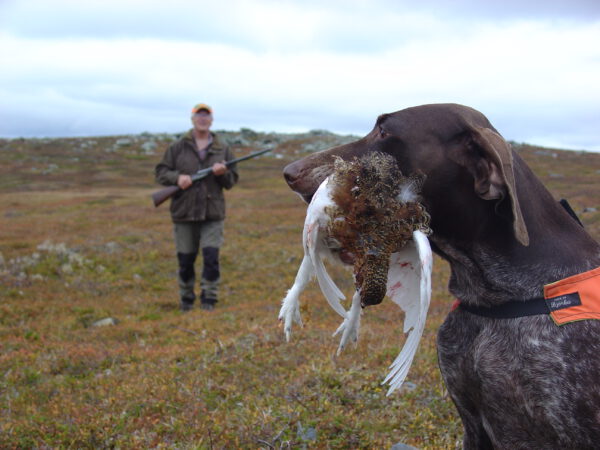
[
  {"x": 314, "y": 245},
  {"x": 315, "y": 250},
  {"x": 409, "y": 286}
]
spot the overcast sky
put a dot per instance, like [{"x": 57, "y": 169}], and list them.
[{"x": 98, "y": 67}]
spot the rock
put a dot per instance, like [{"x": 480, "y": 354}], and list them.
[
  {"x": 320, "y": 133},
  {"x": 310, "y": 147},
  {"x": 47, "y": 245},
  {"x": 248, "y": 133},
  {"x": 588, "y": 209},
  {"x": 148, "y": 147},
  {"x": 50, "y": 169},
  {"x": 11, "y": 213},
  {"x": 112, "y": 247},
  {"x": 407, "y": 385},
  {"x": 239, "y": 140},
  {"x": 306, "y": 434},
  {"x": 401, "y": 446},
  {"x": 109, "y": 321},
  {"x": 546, "y": 153},
  {"x": 123, "y": 142},
  {"x": 269, "y": 143}
]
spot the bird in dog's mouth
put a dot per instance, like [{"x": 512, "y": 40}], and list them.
[
  {"x": 375, "y": 212},
  {"x": 367, "y": 214}
]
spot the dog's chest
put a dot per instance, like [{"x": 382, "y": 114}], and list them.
[
  {"x": 495, "y": 347},
  {"x": 526, "y": 374}
]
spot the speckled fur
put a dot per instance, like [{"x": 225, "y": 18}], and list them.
[{"x": 521, "y": 383}]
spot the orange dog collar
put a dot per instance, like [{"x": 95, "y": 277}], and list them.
[
  {"x": 568, "y": 300},
  {"x": 574, "y": 298}
]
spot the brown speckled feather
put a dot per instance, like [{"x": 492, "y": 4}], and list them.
[{"x": 369, "y": 221}]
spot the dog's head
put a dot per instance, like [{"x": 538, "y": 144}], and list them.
[{"x": 468, "y": 167}]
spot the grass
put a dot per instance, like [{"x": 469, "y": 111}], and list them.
[{"x": 81, "y": 243}]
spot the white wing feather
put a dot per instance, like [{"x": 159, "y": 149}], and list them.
[
  {"x": 315, "y": 250},
  {"x": 314, "y": 244},
  {"x": 409, "y": 286}
]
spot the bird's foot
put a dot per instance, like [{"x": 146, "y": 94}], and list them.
[
  {"x": 351, "y": 324},
  {"x": 289, "y": 313}
]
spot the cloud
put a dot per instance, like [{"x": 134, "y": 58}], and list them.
[
  {"x": 88, "y": 68},
  {"x": 271, "y": 24}
]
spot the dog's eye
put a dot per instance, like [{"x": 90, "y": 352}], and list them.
[{"x": 383, "y": 133}]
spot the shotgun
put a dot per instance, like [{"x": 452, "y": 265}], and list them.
[{"x": 161, "y": 196}]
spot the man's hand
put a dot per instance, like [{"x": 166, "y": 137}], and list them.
[
  {"x": 219, "y": 169},
  {"x": 184, "y": 181}
]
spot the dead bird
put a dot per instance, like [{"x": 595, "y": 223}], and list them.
[
  {"x": 367, "y": 214},
  {"x": 375, "y": 213}
]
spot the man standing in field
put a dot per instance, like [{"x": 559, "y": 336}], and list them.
[{"x": 198, "y": 210}]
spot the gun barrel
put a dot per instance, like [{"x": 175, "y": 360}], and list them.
[
  {"x": 203, "y": 173},
  {"x": 244, "y": 158},
  {"x": 159, "y": 197}
]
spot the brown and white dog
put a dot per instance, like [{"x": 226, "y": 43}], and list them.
[{"x": 517, "y": 382}]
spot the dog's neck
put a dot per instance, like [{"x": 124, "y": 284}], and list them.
[
  {"x": 482, "y": 276},
  {"x": 488, "y": 271}
]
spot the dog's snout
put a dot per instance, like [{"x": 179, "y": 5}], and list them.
[
  {"x": 290, "y": 173},
  {"x": 290, "y": 177},
  {"x": 294, "y": 176}
]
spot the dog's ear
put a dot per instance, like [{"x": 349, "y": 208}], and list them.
[{"x": 488, "y": 157}]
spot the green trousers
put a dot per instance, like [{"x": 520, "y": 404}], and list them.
[{"x": 190, "y": 238}]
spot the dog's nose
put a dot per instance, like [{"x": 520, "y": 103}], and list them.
[{"x": 291, "y": 173}]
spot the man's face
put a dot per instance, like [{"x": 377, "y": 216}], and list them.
[{"x": 202, "y": 120}]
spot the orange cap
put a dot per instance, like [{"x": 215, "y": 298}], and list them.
[{"x": 200, "y": 107}]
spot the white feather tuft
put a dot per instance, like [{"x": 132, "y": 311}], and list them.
[{"x": 408, "y": 192}]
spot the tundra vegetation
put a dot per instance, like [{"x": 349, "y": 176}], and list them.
[{"x": 96, "y": 354}]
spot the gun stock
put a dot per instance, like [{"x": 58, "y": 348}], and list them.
[{"x": 159, "y": 197}]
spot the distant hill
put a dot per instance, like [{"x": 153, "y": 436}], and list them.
[{"x": 29, "y": 163}]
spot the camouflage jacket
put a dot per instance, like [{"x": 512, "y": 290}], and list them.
[{"x": 204, "y": 200}]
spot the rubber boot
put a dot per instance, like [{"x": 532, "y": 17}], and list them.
[
  {"x": 210, "y": 278},
  {"x": 186, "y": 279}
]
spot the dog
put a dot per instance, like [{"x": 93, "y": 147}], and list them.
[{"x": 517, "y": 378}]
